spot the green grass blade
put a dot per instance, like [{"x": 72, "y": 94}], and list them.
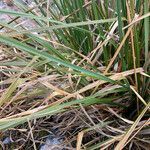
[
  {"x": 29, "y": 49},
  {"x": 63, "y": 26},
  {"x": 120, "y": 24},
  {"x": 4, "y": 124},
  {"x": 146, "y": 28}
]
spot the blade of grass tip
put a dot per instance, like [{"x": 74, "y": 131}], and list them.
[
  {"x": 31, "y": 50},
  {"x": 137, "y": 19},
  {"x": 146, "y": 28},
  {"x": 121, "y": 144},
  {"x": 142, "y": 100},
  {"x": 144, "y": 74},
  {"x": 79, "y": 140}
]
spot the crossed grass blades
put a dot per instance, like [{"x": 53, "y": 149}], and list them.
[{"x": 88, "y": 60}]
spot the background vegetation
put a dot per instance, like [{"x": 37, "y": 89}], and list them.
[{"x": 80, "y": 73}]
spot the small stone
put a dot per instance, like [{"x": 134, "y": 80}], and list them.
[
  {"x": 7, "y": 140},
  {"x": 52, "y": 143}
]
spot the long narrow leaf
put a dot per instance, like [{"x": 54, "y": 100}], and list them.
[{"x": 29, "y": 49}]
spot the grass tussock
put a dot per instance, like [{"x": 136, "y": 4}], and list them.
[{"x": 80, "y": 73}]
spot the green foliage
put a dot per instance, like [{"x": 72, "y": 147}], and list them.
[{"x": 77, "y": 41}]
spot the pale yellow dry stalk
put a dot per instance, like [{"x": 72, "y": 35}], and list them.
[
  {"x": 145, "y": 74},
  {"x": 118, "y": 49},
  {"x": 138, "y": 95},
  {"x": 117, "y": 76},
  {"x": 126, "y": 136},
  {"x": 140, "y": 128},
  {"x": 111, "y": 141},
  {"x": 79, "y": 140},
  {"x": 134, "y": 21},
  {"x": 123, "y": 119},
  {"x": 31, "y": 133},
  {"x": 101, "y": 44},
  {"x": 137, "y": 20},
  {"x": 133, "y": 54}
]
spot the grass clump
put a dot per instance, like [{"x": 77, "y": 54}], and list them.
[{"x": 80, "y": 73}]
